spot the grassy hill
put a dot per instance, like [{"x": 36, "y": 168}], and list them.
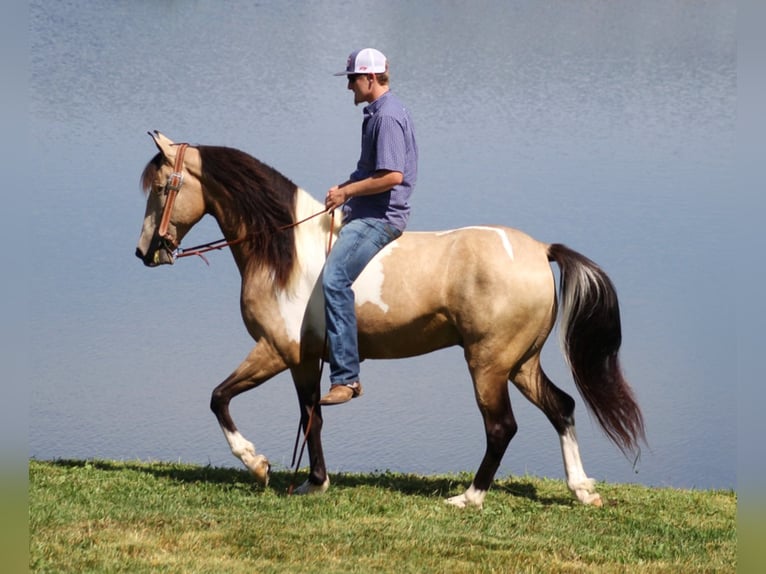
[{"x": 104, "y": 516}]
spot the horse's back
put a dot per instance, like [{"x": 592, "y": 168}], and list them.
[{"x": 477, "y": 255}]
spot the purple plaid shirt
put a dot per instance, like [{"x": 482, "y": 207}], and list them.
[{"x": 388, "y": 143}]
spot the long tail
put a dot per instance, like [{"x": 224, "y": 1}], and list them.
[{"x": 591, "y": 336}]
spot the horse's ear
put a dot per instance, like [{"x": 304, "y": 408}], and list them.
[{"x": 164, "y": 144}]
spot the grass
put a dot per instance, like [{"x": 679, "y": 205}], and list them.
[{"x": 104, "y": 516}]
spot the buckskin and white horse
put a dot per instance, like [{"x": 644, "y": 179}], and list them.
[{"x": 487, "y": 289}]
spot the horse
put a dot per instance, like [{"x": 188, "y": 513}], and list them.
[{"x": 486, "y": 288}]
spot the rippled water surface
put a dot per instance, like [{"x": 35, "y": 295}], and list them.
[{"x": 608, "y": 126}]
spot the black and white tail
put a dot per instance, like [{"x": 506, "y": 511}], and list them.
[{"x": 591, "y": 336}]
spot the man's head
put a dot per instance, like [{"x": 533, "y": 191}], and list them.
[{"x": 367, "y": 75}]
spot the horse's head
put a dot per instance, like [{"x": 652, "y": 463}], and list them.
[{"x": 174, "y": 202}]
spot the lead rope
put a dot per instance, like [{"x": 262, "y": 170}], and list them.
[
  {"x": 312, "y": 408},
  {"x": 221, "y": 243}
]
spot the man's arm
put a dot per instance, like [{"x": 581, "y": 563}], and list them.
[{"x": 380, "y": 181}]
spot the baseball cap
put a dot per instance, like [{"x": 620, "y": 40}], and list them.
[{"x": 366, "y": 61}]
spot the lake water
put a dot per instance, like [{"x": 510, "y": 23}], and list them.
[{"x": 608, "y": 126}]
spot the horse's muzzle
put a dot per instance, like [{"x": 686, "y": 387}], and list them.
[{"x": 155, "y": 257}]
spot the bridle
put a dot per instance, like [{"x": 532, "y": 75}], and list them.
[
  {"x": 172, "y": 187},
  {"x": 168, "y": 242}
]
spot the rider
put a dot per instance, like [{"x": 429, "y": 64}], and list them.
[{"x": 375, "y": 204}]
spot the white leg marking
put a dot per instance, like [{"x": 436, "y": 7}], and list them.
[
  {"x": 310, "y": 488},
  {"x": 473, "y": 497},
  {"x": 577, "y": 481},
  {"x": 244, "y": 450}
]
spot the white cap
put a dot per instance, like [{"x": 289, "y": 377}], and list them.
[{"x": 366, "y": 61}]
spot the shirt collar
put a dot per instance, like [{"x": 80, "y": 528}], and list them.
[{"x": 371, "y": 109}]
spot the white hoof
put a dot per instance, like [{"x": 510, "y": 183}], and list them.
[
  {"x": 589, "y": 485},
  {"x": 259, "y": 466},
  {"x": 585, "y": 492},
  {"x": 471, "y": 498},
  {"x": 458, "y": 501},
  {"x": 311, "y": 488},
  {"x": 593, "y": 499},
  {"x": 244, "y": 450}
]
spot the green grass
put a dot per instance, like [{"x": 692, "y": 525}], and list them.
[{"x": 102, "y": 516}]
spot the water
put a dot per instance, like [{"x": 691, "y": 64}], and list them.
[{"x": 605, "y": 126}]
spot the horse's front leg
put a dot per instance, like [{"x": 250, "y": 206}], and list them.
[
  {"x": 260, "y": 365},
  {"x": 307, "y": 384}
]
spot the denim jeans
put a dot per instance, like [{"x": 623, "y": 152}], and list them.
[{"x": 358, "y": 242}]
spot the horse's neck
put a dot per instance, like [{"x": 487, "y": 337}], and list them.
[
  {"x": 305, "y": 204},
  {"x": 220, "y": 207},
  {"x": 312, "y": 242}
]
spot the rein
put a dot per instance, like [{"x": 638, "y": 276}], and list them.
[
  {"x": 222, "y": 243},
  {"x": 173, "y": 186}
]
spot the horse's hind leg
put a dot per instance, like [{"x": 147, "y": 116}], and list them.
[
  {"x": 500, "y": 426},
  {"x": 306, "y": 377},
  {"x": 558, "y": 406},
  {"x": 260, "y": 365}
]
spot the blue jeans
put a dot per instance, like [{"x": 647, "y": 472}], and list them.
[{"x": 358, "y": 242}]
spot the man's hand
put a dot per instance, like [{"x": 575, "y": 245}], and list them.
[
  {"x": 380, "y": 181},
  {"x": 335, "y": 197}
]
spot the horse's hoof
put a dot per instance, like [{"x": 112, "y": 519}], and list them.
[
  {"x": 309, "y": 487},
  {"x": 596, "y": 500},
  {"x": 457, "y": 501},
  {"x": 472, "y": 497},
  {"x": 260, "y": 468},
  {"x": 589, "y": 498}
]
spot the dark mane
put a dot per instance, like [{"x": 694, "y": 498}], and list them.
[{"x": 258, "y": 197}]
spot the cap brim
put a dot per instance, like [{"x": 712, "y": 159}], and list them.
[{"x": 344, "y": 73}]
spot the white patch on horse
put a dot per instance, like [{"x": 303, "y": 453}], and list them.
[
  {"x": 503, "y": 237},
  {"x": 292, "y": 306},
  {"x": 244, "y": 450},
  {"x": 239, "y": 445},
  {"x": 311, "y": 248},
  {"x": 368, "y": 287}
]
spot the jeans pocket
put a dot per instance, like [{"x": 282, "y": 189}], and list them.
[
  {"x": 393, "y": 232},
  {"x": 386, "y": 233}
]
